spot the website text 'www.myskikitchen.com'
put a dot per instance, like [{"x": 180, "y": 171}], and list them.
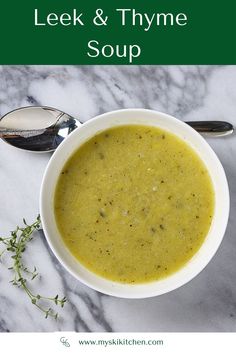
[{"x": 121, "y": 342}]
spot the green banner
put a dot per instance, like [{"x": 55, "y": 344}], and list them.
[{"x": 118, "y": 32}]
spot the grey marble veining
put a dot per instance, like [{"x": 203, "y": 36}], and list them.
[{"x": 207, "y": 303}]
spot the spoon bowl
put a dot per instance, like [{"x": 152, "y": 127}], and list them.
[{"x": 36, "y": 129}]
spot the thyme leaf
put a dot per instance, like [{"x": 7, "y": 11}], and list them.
[{"x": 15, "y": 245}]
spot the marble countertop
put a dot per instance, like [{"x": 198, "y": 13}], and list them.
[{"x": 207, "y": 303}]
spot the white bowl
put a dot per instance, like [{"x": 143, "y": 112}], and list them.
[{"x": 148, "y": 118}]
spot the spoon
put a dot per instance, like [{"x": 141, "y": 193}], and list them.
[{"x": 42, "y": 129}]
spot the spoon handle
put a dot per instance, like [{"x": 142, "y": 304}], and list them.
[{"x": 212, "y": 128}]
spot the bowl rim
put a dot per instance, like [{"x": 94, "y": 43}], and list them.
[{"x": 125, "y": 293}]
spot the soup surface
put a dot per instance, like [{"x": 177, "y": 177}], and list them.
[{"x": 134, "y": 203}]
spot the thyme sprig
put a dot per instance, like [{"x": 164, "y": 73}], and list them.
[{"x": 16, "y": 245}]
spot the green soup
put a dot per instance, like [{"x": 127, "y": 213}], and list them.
[{"x": 134, "y": 204}]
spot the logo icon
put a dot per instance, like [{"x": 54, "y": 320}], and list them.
[{"x": 65, "y": 342}]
